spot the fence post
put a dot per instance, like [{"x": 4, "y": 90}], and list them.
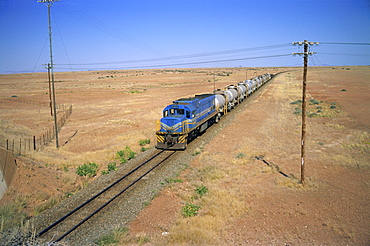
[{"x": 34, "y": 142}]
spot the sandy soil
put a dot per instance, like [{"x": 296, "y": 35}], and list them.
[{"x": 112, "y": 110}]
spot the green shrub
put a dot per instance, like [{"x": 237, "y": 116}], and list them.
[
  {"x": 296, "y": 102},
  {"x": 87, "y": 169},
  {"x": 173, "y": 180},
  {"x": 104, "y": 172},
  {"x": 125, "y": 155},
  {"x": 144, "y": 142},
  {"x": 143, "y": 149},
  {"x": 298, "y": 111},
  {"x": 314, "y": 102},
  {"x": 240, "y": 156},
  {"x": 201, "y": 190},
  {"x": 112, "y": 166},
  {"x": 190, "y": 210}
]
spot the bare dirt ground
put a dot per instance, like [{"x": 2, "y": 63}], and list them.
[{"x": 248, "y": 202}]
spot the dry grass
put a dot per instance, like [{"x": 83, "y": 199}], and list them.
[
  {"x": 220, "y": 205},
  {"x": 13, "y": 214},
  {"x": 360, "y": 141},
  {"x": 336, "y": 126}
]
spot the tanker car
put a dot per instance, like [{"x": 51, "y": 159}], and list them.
[{"x": 186, "y": 118}]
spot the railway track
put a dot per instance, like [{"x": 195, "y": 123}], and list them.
[{"x": 73, "y": 222}]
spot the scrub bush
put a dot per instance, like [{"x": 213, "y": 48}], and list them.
[{"x": 87, "y": 169}]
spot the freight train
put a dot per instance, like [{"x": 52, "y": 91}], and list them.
[{"x": 186, "y": 118}]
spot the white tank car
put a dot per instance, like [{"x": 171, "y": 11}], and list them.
[
  {"x": 243, "y": 89},
  {"x": 219, "y": 102},
  {"x": 229, "y": 97},
  {"x": 250, "y": 86}
]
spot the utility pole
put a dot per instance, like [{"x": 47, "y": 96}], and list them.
[
  {"x": 303, "y": 137},
  {"x": 48, "y": 3}
]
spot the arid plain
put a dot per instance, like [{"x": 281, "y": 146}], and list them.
[{"x": 248, "y": 202}]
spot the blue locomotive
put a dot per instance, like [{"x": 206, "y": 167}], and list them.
[{"x": 184, "y": 120}]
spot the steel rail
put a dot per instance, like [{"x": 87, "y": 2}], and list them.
[
  {"x": 97, "y": 195},
  {"x": 112, "y": 199}
]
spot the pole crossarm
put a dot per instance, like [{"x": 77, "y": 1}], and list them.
[
  {"x": 306, "y": 44},
  {"x": 304, "y": 53},
  {"x": 48, "y": 2}
]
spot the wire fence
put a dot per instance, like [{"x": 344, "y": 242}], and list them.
[
  {"x": 62, "y": 106},
  {"x": 25, "y": 144}
]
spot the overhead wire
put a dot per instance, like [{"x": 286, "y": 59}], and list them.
[
  {"x": 70, "y": 66},
  {"x": 68, "y": 10},
  {"x": 62, "y": 41},
  {"x": 199, "y": 59},
  {"x": 199, "y": 55},
  {"x": 342, "y": 54},
  {"x": 344, "y": 43},
  {"x": 197, "y": 62}
]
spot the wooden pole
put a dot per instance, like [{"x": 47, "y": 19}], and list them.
[
  {"x": 305, "y": 54},
  {"x": 303, "y": 137}
]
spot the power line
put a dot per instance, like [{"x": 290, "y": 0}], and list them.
[
  {"x": 199, "y": 55},
  {"x": 199, "y": 62},
  {"x": 345, "y": 43},
  {"x": 342, "y": 54}
]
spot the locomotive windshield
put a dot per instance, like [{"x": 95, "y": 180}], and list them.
[{"x": 173, "y": 111}]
